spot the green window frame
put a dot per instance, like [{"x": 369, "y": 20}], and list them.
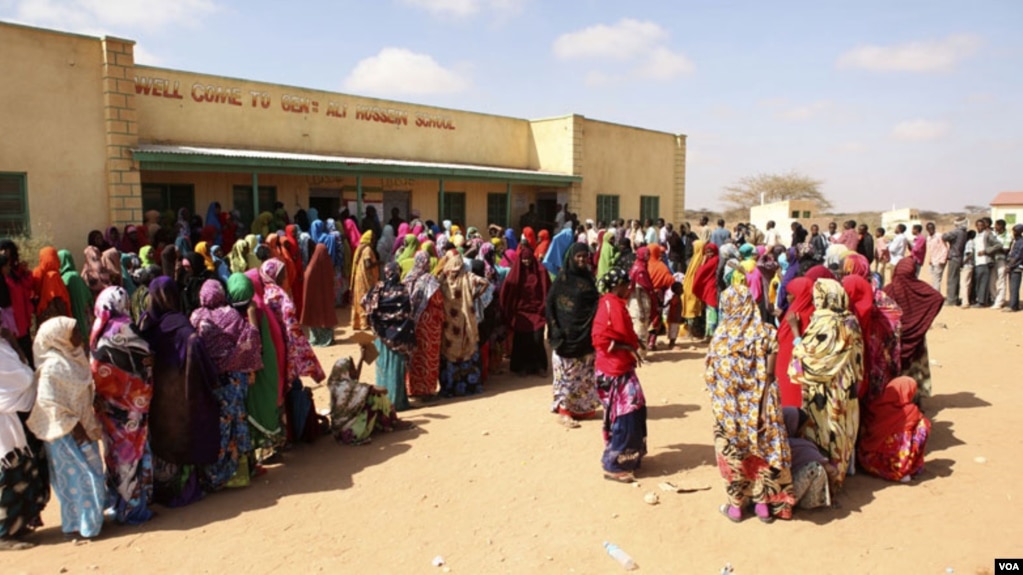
[
  {"x": 607, "y": 208},
  {"x": 14, "y": 220},
  {"x": 649, "y": 208},
  {"x": 241, "y": 200},
  {"x": 454, "y": 208},
  {"x": 164, "y": 197},
  {"x": 497, "y": 209}
]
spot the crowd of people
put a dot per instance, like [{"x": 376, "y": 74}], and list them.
[{"x": 181, "y": 345}]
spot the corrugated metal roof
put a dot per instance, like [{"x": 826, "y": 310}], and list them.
[
  {"x": 1008, "y": 199},
  {"x": 160, "y": 154}
]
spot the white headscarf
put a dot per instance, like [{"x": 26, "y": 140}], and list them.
[
  {"x": 16, "y": 394},
  {"x": 66, "y": 391}
]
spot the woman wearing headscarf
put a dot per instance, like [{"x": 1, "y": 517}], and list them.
[
  {"x": 389, "y": 312},
  {"x": 24, "y": 473},
  {"x": 523, "y": 296},
  {"x": 96, "y": 240},
  {"x": 385, "y": 245},
  {"x": 893, "y": 433},
  {"x": 252, "y": 262},
  {"x": 263, "y": 225},
  {"x": 239, "y": 258},
  {"x": 643, "y": 302},
  {"x": 78, "y": 292},
  {"x": 692, "y": 305},
  {"x": 147, "y": 257},
  {"x": 235, "y": 348},
  {"x": 427, "y": 308},
  {"x": 195, "y": 275},
  {"x": 543, "y": 244},
  {"x": 617, "y": 355},
  {"x": 221, "y": 269},
  {"x": 810, "y": 469},
  {"x": 184, "y": 416},
  {"x": 529, "y": 237},
  {"x": 96, "y": 277},
  {"x": 405, "y": 256},
  {"x": 129, "y": 263},
  {"x": 800, "y": 294},
  {"x": 203, "y": 249},
  {"x": 607, "y": 253},
  {"x": 63, "y": 417},
  {"x": 827, "y": 362},
  {"x": 365, "y": 274},
  {"x": 140, "y": 299},
  {"x": 358, "y": 409},
  {"x": 213, "y": 221},
  {"x": 750, "y": 441},
  {"x": 49, "y": 291},
  {"x": 318, "y": 314},
  {"x": 511, "y": 239},
  {"x": 169, "y": 259},
  {"x": 266, "y": 394},
  {"x": 920, "y": 304},
  {"x": 122, "y": 368},
  {"x": 460, "y": 361},
  {"x": 112, "y": 267},
  {"x": 554, "y": 256},
  {"x": 131, "y": 241},
  {"x": 763, "y": 282},
  {"x": 705, "y": 286},
  {"x": 113, "y": 238},
  {"x": 861, "y": 303},
  {"x": 571, "y": 305}
]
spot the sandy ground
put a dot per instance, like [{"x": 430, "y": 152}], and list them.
[{"x": 494, "y": 485}]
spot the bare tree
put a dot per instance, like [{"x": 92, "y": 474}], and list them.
[{"x": 747, "y": 192}]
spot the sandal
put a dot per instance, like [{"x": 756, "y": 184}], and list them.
[
  {"x": 623, "y": 477},
  {"x": 763, "y": 513},
  {"x": 733, "y": 513},
  {"x": 568, "y": 422}
]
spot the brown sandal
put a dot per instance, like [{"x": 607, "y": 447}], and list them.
[{"x": 622, "y": 477}]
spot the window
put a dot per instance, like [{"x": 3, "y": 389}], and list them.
[
  {"x": 163, "y": 197},
  {"x": 649, "y": 208},
  {"x": 795, "y": 214},
  {"x": 454, "y": 208},
  {"x": 607, "y": 208},
  {"x": 242, "y": 201},
  {"x": 497, "y": 209},
  {"x": 806, "y": 214},
  {"x": 1010, "y": 219},
  {"x": 13, "y": 205}
]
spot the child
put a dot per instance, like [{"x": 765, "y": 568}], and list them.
[{"x": 673, "y": 302}]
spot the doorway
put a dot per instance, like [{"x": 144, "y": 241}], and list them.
[{"x": 327, "y": 201}]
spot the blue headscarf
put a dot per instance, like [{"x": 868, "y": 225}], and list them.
[
  {"x": 313, "y": 214},
  {"x": 555, "y": 256},
  {"x": 316, "y": 230},
  {"x": 213, "y": 220},
  {"x": 510, "y": 239}
]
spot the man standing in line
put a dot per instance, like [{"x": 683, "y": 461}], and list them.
[
  {"x": 833, "y": 235},
  {"x": 918, "y": 247},
  {"x": 937, "y": 251},
  {"x": 799, "y": 234},
  {"x": 704, "y": 230},
  {"x": 720, "y": 236},
  {"x": 865, "y": 245},
  {"x": 771, "y": 236},
  {"x": 1014, "y": 263},
  {"x": 999, "y": 273},
  {"x": 956, "y": 241},
  {"x": 985, "y": 243},
  {"x": 818, "y": 243},
  {"x": 881, "y": 255},
  {"x": 899, "y": 245},
  {"x": 849, "y": 238}
]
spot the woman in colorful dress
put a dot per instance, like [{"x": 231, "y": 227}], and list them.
[
  {"x": 184, "y": 416},
  {"x": 318, "y": 314},
  {"x": 617, "y": 356},
  {"x": 810, "y": 470},
  {"x": 799, "y": 297},
  {"x": 389, "y": 312},
  {"x": 571, "y": 306},
  {"x": 365, "y": 274},
  {"x": 358, "y": 409},
  {"x": 523, "y": 297},
  {"x": 81, "y": 297},
  {"x": 827, "y": 362},
  {"x": 643, "y": 301},
  {"x": 460, "y": 361},
  {"x": 750, "y": 441},
  {"x": 234, "y": 346},
  {"x": 64, "y": 418},
  {"x": 49, "y": 291},
  {"x": 427, "y": 305},
  {"x": 920, "y": 304},
  {"x": 122, "y": 367},
  {"x": 705, "y": 286},
  {"x": 893, "y": 433},
  {"x": 24, "y": 474},
  {"x": 266, "y": 395}
]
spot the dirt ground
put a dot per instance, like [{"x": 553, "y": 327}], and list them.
[{"x": 494, "y": 485}]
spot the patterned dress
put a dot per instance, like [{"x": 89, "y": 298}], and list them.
[
  {"x": 750, "y": 440},
  {"x": 828, "y": 363},
  {"x": 424, "y": 365}
]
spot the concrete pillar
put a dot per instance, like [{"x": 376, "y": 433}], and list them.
[
  {"x": 120, "y": 118},
  {"x": 679, "y": 193}
]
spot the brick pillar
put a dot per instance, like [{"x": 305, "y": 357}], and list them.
[
  {"x": 575, "y": 192},
  {"x": 679, "y": 195},
  {"x": 124, "y": 184}
]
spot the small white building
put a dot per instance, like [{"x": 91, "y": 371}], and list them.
[
  {"x": 783, "y": 214},
  {"x": 1008, "y": 206},
  {"x": 907, "y": 216}
]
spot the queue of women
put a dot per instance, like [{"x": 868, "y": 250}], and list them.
[{"x": 187, "y": 365}]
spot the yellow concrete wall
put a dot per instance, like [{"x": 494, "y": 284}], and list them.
[
  {"x": 52, "y": 128},
  {"x": 552, "y": 145},
  {"x": 170, "y": 113},
  {"x": 627, "y": 162},
  {"x": 1011, "y": 214}
]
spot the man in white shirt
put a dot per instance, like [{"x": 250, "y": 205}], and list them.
[
  {"x": 937, "y": 253},
  {"x": 559, "y": 217},
  {"x": 898, "y": 246},
  {"x": 591, "y": 234},
  {"x": 771, "y": 236},
  {"x": 985, "y": 245}
]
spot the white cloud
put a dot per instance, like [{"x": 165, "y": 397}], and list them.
[
  {"x": 919, "y": 130},
  {"x": 622, "y": 41},
  {"x": 663, "y": 64},
  {"x": 145, "y": 57},
  {"x": 397, "y": 71},
  {"x": 931, "y": 56},
  {"x": 466, "y": 8},
  {"x": 122, "y": 17},
  {"x": 805, "y": 112}
]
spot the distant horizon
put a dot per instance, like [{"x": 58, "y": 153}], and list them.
[{"x": 916, "y": 104}]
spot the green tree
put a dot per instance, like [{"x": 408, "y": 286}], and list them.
[{"x": 739, "y": 197}]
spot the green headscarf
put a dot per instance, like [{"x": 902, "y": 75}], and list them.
[
  {"x": 81, "y": 296},
  {"x": 608, "y": 253},
  {"x": 240, "y": 288},
  {"x": 146, "y": 256}
]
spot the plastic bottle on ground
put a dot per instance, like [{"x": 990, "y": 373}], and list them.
[{"x": 620, "y": 556}]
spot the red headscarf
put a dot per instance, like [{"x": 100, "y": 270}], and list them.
[
  {"x": 524, "y": 293},
  {"x": 228, "y": 232},
  {"x": 920, "y": 304},
  {"x": 861, "y": 300},
  {"x": 544, "y": 245},
  {"x": 819, "y": 272},
  {"x": 530, "y": 235},
  {"x": 295, "y": 274},
  {"x": 659, "y": 272},
  {"x": 640, "y": 277},
  {"x": 47, "y": 283},
  {"x": 705, "y": 284},
  {"x": 892, "y": 414},
  {"x": 801, "y": 289}
]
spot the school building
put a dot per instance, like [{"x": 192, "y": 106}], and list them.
[{"x": 91, "y": 139}]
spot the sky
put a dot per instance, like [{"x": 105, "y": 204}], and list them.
[{"x": 891, "y": 104}]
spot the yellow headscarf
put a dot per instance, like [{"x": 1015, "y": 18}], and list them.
[{"x": 202, "y": 249}]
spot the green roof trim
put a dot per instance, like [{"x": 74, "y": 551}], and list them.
[{"x": 183, "y": 158}]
